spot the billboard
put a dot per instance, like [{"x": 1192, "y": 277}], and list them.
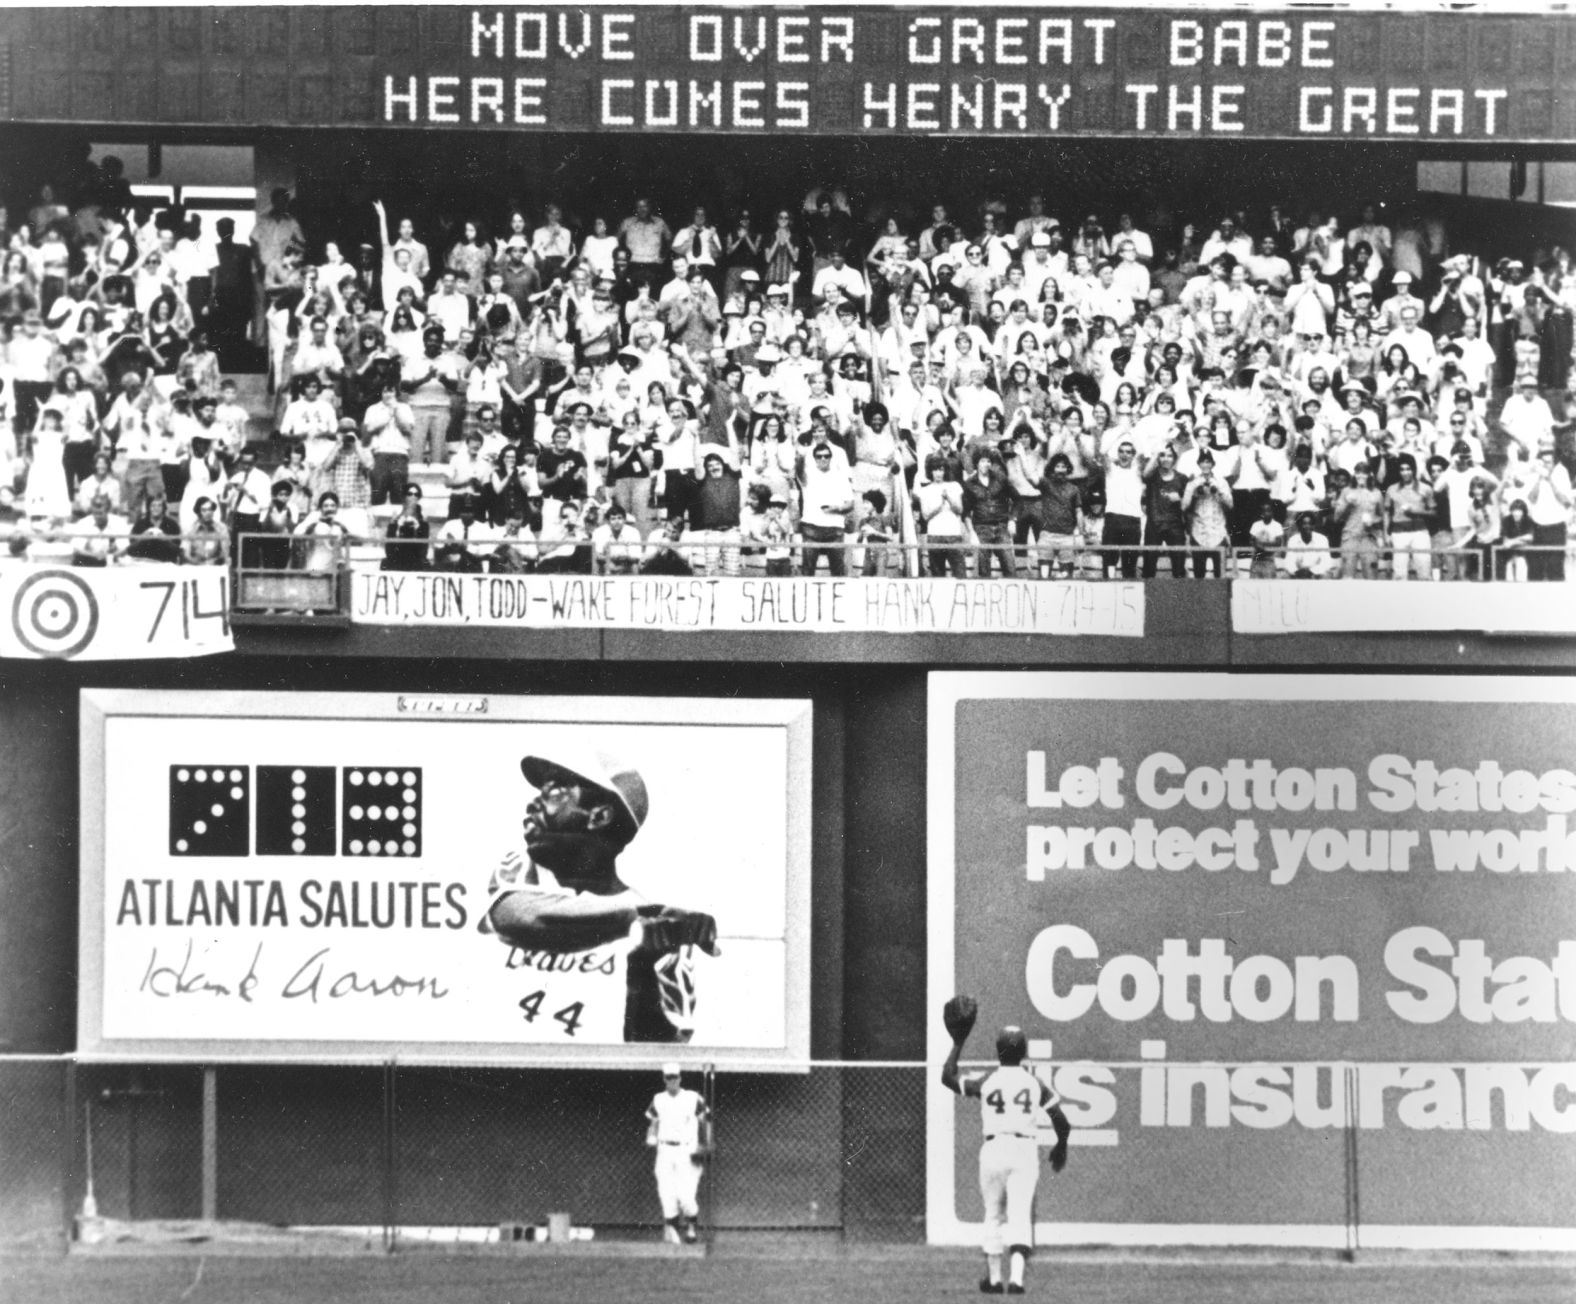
[
  {"x": 595, "y": 881},
  {"x": 1011, "y": 70},
  {"x": 1257, "y": 926}
]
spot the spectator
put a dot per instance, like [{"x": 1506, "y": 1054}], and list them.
[
  {"x": 406, "y": 541},
  {"x": 389, "y": 424},
  {"x": 616, "y": 545},
  {"x": 101, "y": 483},
  {"x": 1409, "y": 510},
  {"x": 714, "y": 514},
  {"x": 512, "y": 488},
  {"x": 279, "y": 522},
  {"x": 647, "y": 238},
  {"x": 346, "y": 477},
  {"x": 663, "y": 554},
  {"x": 1268, "y": 537},
  {"x": 244, "y": 496},
  {"x": 1359, "y": 514},
  {"x": 1207, "y": 503},
  {"x": 988, "y": 507},
  {"x": 1548, "y": 497},
  {"x": 565, "y": 542},
  {"x": 101, "y": 538},
  {"x": 208, "y": 544},
  {"x": 827, "y": 494},
  {"x": 1308, "y": 552},
  {"x": 156, "y": 535}
]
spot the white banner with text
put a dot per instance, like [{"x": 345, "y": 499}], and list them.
[
  {"x": 1368, "y": 606},
  {"x": 117, "y": 613},
  {"x": 852, "y": 605}
]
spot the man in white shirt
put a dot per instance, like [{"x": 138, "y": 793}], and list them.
[
  {"x": 1308, "y": 554},
  {"x": 1226, "y": 239},
  {"x": 1526, "y": 418},
  {"x": 1038, "y": 222},
  {"x": 552, "y": 245},
  {"x": 451, "y": 307},
  {"x": 1130, "y": 276},
  {"x": 843, "y": 277},
  {"x": 1417, "y": 342},
  {"x": 1267, "y": 265},
  {"x": 100, "y": 538},
  {"x": 132, "y": 427}
]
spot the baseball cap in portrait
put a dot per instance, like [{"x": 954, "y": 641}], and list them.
[{"x": 612, "y": 775}]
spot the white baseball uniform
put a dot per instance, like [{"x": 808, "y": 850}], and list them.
[
  {"x": 1013, "y": 1105},
  {"x": 676, "y": 1118}
]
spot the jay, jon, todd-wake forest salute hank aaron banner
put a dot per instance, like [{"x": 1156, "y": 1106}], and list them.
[
  {"x": 1257, "y": 928},
  {"x": 588, "y": 880}
]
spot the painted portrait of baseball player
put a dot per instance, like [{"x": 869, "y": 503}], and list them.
[
  {"x": 1014, "y": 1102},
  {"x": 598, "y": 956}
]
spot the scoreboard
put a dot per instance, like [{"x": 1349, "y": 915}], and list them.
[{"x": 1041, "y": 71}]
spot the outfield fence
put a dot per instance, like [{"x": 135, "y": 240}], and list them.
[{"x": 412, "y": 1152}]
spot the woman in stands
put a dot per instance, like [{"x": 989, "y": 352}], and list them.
[
  {"x": 511, "y": 488},
  {"x": 79, "y": 420},
  {"x": 166, "y": 337},
  {"x": 18, "y": 288},
  {"x": 470, "y": 259},
  {"x": 783, "y": 254}
]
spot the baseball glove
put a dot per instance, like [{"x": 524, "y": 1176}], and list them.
[
  {"x": 666, "y": 928},
  {"x": 959, "y": 1014}
]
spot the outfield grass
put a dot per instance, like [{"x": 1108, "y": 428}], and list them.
[{"x": 727, "y": 1276}]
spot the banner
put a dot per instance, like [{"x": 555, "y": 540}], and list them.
[
  {"x": 590, "y": 881},
  {"x": 118, "y": 613},
  {"x": 1377, "y": 606},
  {"x": 1204, "y": 897},
  {"x": 827, "y": 69},
  {"x": 857, "y": 605}
]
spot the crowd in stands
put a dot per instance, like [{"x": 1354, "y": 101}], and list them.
[{"x": 1006, "y": 391}]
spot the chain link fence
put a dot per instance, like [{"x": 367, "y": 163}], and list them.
[
  {"x": 404, "y": 1153},
  {"x": 401, "y": 1151}
]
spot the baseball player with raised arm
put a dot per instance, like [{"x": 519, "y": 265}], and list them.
[
  {"x": 598, "y": 958},
  {"x": 1013, "y": 1105},
  {"x": 678, "y": 1128}
]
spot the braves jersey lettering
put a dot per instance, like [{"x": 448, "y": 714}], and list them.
[{"x": 562, "y": 995}]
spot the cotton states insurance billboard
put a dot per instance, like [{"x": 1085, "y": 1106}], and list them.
[{"x": 1273, "y": 940}]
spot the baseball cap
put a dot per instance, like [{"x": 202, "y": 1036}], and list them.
[
  {"x": 1401, "y": 278},
  {"x": 615, "y": 777},
  {"x": 1040, "y": 240},
  {"x": 777, "y": 500},
  {"x": 347, "y": 425},
  {"x": 670, "y": 1070}
]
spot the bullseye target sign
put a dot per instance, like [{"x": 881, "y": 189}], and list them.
[
  {"x": 114, "y": 613},
  {"x": 54, "y": 614}
]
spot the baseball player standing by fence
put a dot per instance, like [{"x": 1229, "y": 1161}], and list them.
[
  {"x": 678, "y": 1127},
  {"x": 1013, "y": 1104}
]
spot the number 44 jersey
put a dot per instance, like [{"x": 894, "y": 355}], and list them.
[{"x": 1014, "y": 1102}]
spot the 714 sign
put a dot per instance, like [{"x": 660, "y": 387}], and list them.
[{"x": 187, "y": 602}]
